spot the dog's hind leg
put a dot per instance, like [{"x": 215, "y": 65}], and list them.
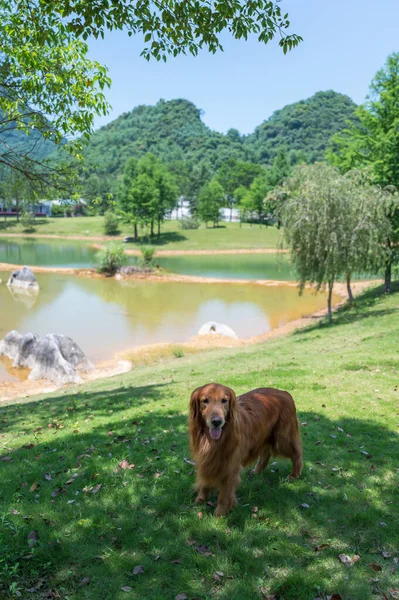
[
  {"x": 263, "y": 460},
  {"x": 296, "y": 459}
]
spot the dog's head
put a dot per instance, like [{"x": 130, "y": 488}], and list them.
[{"x": 213, "y": 405}]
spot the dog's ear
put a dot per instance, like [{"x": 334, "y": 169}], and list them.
[
  {"x": 233, "y": 407},
  {"x": 194, "y": 405}
]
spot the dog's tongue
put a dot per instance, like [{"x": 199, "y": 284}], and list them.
[{"x": 215, "y": 433}]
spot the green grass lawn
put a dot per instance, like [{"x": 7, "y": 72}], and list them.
[
  {"x": 227, "y": 236},
  {"x": 74, "y": 525}
]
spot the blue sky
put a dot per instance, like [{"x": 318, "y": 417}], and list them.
[{"x": 345, "y": 43}]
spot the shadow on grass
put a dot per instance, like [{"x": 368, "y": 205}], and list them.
[
  {"x": 5, "y": 225},
  {"x": 97, "y": 521},
  {"x": 168, "y": 237}
]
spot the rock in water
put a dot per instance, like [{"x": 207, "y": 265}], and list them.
[
  {"x": 23, "y": 278},
  {"x": 54, "y": 357},
  {"x": 212, "y": 328}
]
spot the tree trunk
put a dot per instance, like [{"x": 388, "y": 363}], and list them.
[
  {"x": 152, "y": 229},
  {"x": 348, "y": 287},
  {"x": 231, "y": 213},
  {"x": 388, "y": 277},
  {"x": 135, "y": 232},
  {"x": 159, "y": 228},
  {"x": 330, "y": 289}
]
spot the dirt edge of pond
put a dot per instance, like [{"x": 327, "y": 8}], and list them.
[{"x": 154, "y": 353}]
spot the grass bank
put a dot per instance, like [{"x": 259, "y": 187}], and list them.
[
  {"x": 229, "y": 236},
  {"x": 95, "y": 491}
]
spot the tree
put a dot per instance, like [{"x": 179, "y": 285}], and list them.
[
  {"x": 127, "y": 206},
  {"x": 254, "y": 200},
  {"x": 49, "y": 89},
  {"x": 200, "y": 174},
  {"x": 373, "y": 141},
  {"x": 210, "y": 201},
  {"x": 233, "y": 174},
  {"x": 145, "y": 196},
  {"x": 174, "y": 27},
  {"x": 16, "y": 191},
  {"x": 148, "y": 192},
  {"x": 333, "y": 225},
  {"x": 275, "y": 176}
]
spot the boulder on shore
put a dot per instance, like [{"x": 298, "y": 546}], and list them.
[
  {"x": 213, "y": 328},
  {"x": 54, "y": 357},
  {"x": 23, "y": 278}
]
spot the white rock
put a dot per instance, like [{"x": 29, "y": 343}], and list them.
[
  {"x": 23, "y": 278},
  {"x": 53, "y": 357},
  {"x": 213, "y": 328}
]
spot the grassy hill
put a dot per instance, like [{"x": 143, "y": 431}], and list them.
[{"x": 76, "y": 524}]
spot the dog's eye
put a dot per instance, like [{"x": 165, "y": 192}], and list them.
[
  {"x": 224, "y": 400},
  {"x": 205, "y": 401}
]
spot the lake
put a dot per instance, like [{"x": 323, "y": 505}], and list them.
[
  {"x": 80, "y": 254},
  {"x": 105, "y": 316},
  {"x": 57, "y": 253}
]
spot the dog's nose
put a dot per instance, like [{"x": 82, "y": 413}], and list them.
[{"x": 216, "y": 421}]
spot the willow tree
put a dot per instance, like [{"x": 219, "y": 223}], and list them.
[
  {"x": 372, "y": 141},
  {"x": 334, "y": 225}
]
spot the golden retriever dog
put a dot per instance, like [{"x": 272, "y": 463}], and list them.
[{"x": 228, "y": 433}]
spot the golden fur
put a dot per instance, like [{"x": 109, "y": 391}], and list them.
[{"x": 255, "y": 426}]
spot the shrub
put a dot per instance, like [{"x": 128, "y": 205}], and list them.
[
  {"x": 178, "y": 352},
  {"x": 147, "y": 256},
  {"x": 111, "y": 225},
  {"x": 28, "y": 221},
  {"x": 189, "y": 223},
  {"x": 57, "y": 210},
  {"x": 111, "y": 259}
]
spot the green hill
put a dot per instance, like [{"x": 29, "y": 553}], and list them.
[
  {"x": 175, "y": 132},
  {"x": 34, "y": 145},
  {"x": 304, "y": 128}
]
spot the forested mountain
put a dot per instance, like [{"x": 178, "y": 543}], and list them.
[
  {"x": 174, "y": 131},
  {"x": 14, "y": 139},
  {"x": 304, "y": 128}
]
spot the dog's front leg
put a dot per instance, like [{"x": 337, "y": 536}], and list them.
[
  {"x": 227, "y": 495},
  {"x": 202, "y": 493}
]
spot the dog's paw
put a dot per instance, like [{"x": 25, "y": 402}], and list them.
[{"x": 221, "y": 511}]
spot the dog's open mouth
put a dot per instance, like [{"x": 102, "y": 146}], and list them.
[{"x": 215, "y": 432}]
